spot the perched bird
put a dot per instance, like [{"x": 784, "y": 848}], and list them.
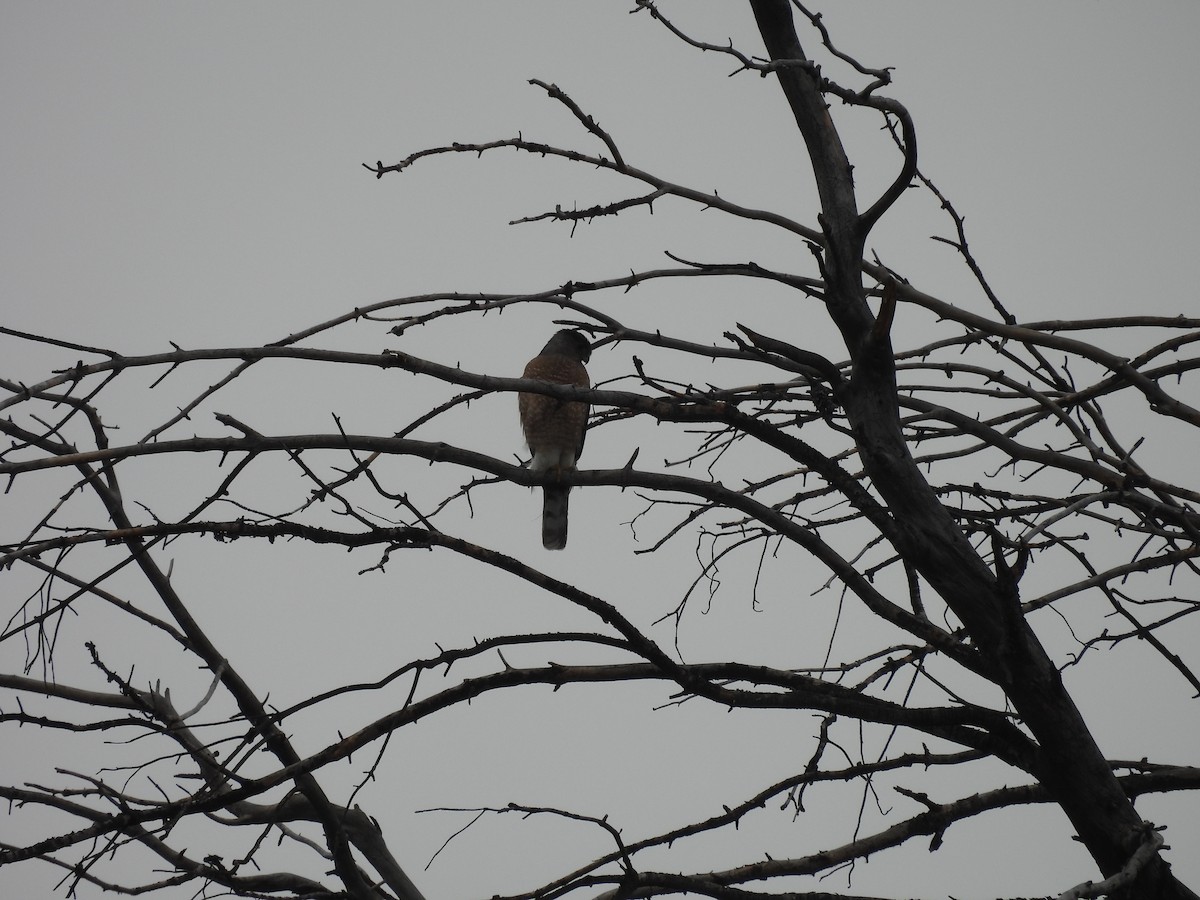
[{"x": 554, "y": 428}]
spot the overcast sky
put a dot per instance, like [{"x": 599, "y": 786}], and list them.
[{"x": 191, "y": 172}]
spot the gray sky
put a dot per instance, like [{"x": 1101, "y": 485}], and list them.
[{"x": 192, "y": 173}]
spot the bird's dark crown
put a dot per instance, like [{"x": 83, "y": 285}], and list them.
[{"x": 570, "y": 343}]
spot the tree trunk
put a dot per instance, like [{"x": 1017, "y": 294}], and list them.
[{"x": 1070, "y": 764}]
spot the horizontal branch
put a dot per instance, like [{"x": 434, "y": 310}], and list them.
[
  {"x": 934, "y": 822},
  {"x": 1160, "y": 401},
  {"x": 438, "y": 452},
  {"x": 707, "y": 199}
]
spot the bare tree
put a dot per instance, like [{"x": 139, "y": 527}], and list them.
[{"x": 955, "y": 491}]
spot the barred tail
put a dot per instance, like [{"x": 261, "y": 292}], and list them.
[{"x": 554, "y": 517}]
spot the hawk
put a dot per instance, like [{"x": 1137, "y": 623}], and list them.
[{"x": 554, "y": 428}]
